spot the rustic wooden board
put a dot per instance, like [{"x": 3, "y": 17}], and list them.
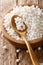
[
  {"x": 8, "y": 53},
  {"x": 27, "y": 1},
  {"x": 25, "y": 58},
  {"x": 6, "y": 5}
]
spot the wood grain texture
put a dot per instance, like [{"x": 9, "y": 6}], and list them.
[
  {"x": 25, "y": 58},
  {"x": 6, "y": 5},
  {"x": 8, "y": 53},
  {"x": 27, "y": 2},
  {"x": 40, "y": 2},
  {"x": 1, "y": 49},
  {"x": 40, "y": 55}
]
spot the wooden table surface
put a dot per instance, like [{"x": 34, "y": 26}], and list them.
[{"x": 8, "y": 52}]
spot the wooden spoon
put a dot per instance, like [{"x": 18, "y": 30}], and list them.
[{"x": 23, "y": 34}]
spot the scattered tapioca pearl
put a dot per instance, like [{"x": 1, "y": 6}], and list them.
[
  {"x": 17, "y": 60},
  {"x": 5, "y": 47},
  {"x": 27, "y": 51},
  {"x": 2, "y": 35},
  {"x": 39, "y": 48},
  {"x": 18, "y": 50}
]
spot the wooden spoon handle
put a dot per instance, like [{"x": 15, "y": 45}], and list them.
[{"x": 31, "y": 53}]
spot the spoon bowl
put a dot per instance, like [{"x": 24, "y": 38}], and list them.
[{"x": 13, "y": 24}]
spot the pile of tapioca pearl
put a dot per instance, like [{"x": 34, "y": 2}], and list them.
[{"x": 31, "y": 16}]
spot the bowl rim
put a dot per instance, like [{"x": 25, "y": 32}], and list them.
[{"x": 18, "y": 41}]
